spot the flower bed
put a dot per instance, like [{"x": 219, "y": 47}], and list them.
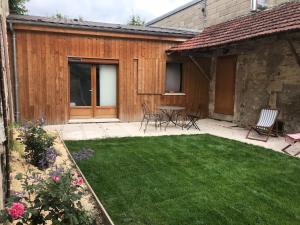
[{"x": 57, "y": 194}]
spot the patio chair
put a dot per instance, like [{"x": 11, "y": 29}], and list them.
[
  {"x": 193, "y": 118},
  {"x": 149, "y": 116},
  {"x": 265, "y": 125},
  {"x": 291, "y": 139},
  {"x": 181, "y": 119}
]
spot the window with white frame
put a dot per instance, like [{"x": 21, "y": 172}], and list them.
[{"x": 174, "y": 77}]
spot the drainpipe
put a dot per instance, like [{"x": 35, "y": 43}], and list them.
[
  {"x": 15, "y": 73},
  {"x": 253, "y": 5}
]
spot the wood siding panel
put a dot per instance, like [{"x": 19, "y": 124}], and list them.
[
  {"x": 44, "y": 77},
  {"x": 150, "y": 76}
]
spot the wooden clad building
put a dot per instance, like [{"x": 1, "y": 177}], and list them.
[{"x": 69, "y": 69}]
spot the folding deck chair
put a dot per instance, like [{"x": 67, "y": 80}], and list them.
[
  {"x": 265, "y": 124},
  {"x": 291, "y": 139}
]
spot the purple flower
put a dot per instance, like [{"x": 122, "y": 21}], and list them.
[
  {"x": 48, "y": 159},
  {"x": 83, "y": 154},
  {"x": 56, "y": 172}
]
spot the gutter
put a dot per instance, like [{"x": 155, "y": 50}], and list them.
[
  {"x": 172, "y": 32},
  {"x": 15, "y": 73}
]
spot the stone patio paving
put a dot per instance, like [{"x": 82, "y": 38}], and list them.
[{"x": 208, "y": 126}]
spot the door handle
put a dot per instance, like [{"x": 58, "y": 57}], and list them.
[{"x": 91, "y": 90}]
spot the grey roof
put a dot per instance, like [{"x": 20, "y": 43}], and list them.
[
  {"x": 194, "y": 2},
  {"x": 88, "y": 25}
]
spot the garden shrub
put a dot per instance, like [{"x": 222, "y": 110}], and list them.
[
  {"x": 38, "y": 143},
  {"x": 54, "y": 199},
  {"x": 16, "y": 146}
]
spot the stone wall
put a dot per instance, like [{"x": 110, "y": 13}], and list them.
[
  {"x": 267, "y": 75},
  {"x": 219, "y": 11},
  {"x": 278, "y": 2},
  {"x": 6, "y": 95},
  {"x": 189, "y": 18},
  {"x": 223, "y": 10}
]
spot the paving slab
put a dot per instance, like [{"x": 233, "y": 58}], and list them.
[{"x": 87, "y": 131}]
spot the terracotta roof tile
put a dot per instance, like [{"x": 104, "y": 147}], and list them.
[{"x": 283, "y": 18}]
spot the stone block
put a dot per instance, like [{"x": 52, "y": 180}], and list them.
[{"x": 275, "y": 86}]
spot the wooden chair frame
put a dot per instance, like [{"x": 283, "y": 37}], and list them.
[{"x": 293, "y": 142}]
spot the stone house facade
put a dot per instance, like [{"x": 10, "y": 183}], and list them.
[
  {"x": 199, "y": 14},
  {"x": 223, "y": 10},
  {"x": 190, "y": 16},
  {"x": 267, "y": 76},
  {"x": 267, "y": 68}
]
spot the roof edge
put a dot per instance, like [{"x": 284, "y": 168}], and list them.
[
  {"x": 168, "y": 14},
  {"x": 291, "y": 27},
  {"x": 98, "y": 26}
]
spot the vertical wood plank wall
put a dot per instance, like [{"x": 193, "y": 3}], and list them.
[{"x": 42, "y": 60}]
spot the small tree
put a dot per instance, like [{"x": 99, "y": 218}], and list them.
[
  {"x": 18, "y": 6},
  {"x": 61, "y": 16},
  {"x": 136, "y": 20}
]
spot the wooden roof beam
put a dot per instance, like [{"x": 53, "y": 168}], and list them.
[
  {"x": 293, "y": 49},
  {"x": 199, "y": 67}
]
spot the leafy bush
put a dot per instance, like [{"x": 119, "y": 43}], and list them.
[
  {"x": 49, "y": 158},
  {"x": 38, "y": 144},
  {"x": 16, "y": 146},
  {"x": 83, "y": 154},
  {"x": 55, "y": 199}
]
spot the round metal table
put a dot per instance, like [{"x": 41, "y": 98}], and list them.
[{"x": 170, "y": 112}]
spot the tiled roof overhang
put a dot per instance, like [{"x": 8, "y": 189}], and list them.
[{"x": 280, "y": 19}]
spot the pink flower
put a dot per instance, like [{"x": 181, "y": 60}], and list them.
[
  {"x": 55, "y": 178},
  {"x": 79, "y": 181},
  {"x": 16, "y": 210},
  {"x": 74, "y": 174}
]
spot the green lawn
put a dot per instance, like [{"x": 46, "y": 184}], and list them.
[{"x": 192, "y": 180}]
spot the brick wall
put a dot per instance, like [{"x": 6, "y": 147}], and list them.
[{"x": 190, "y": 18}]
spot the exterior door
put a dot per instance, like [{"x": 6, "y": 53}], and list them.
[
  {"x": 225, "y": 85},
  {"x": 106, "y": 86},
  {"x": 81, "y": 91},
  {"x": 93, "y": 91}
]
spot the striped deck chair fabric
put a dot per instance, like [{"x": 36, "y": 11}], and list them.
[
  {"x": 267, "y": 118},
  {"x": 265, "y": 124}
]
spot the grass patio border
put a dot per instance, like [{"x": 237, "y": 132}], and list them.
[{"x": 106, "y": 217}]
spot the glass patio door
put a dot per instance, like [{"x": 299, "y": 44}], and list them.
[
  {"x": 93, "y": 91},
  {"x": 106, "y": 90},
  {"x": 81, "y": 91}
]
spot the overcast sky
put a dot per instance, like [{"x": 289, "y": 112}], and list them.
[{"x": 112, "y": 11}]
